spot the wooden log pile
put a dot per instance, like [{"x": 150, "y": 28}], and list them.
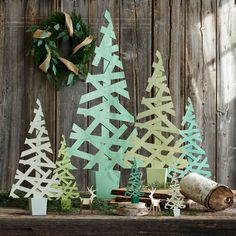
[{"x": 120, "y": 196}]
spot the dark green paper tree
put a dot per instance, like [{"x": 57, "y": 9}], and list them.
[{"x": 134, "y": 186}]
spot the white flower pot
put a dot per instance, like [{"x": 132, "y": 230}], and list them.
[
  {"x": 176, "y": 211},
  {"x": 38, "y": 206}
]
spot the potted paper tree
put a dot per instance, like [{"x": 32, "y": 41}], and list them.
[
  {"x": 155, "y": 123},
  {"x": 134, "y": 186},
  {"x": 107, "y": 143},
  {"x": 34, "y": 175},
  {"x": 176, "y": 201},
  {"x": 196, "y": 156},
  {"x": 67, "y": 183}
]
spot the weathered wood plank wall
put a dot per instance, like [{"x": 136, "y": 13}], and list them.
[{"x": 197, "y": 39}]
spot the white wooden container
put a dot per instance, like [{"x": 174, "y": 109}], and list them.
[
  {"x": 176, "y": 211},
  {"x": 38, "y": 206}
]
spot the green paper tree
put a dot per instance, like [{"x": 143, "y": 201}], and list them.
[
  {"x": 107, "y": 142},
  {"x": 159, "y": 142},
  {"x": 176, "y": 200},
  {"x": 67, "y": 183},
  {"x": 196, "y": 156},
  {"x": 134, "y": 186}
]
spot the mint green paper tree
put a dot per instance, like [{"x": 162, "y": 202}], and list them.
[
  {"x": 108, "y": 143},
  {"x": 134, "y": 186},
  {"x": 160, "y": 134},
  {"x": 67, "y": 183},
  {"x": 196, "y": 156}
]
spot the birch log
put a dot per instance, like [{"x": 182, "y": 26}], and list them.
[{"x": 206, "y": 192}]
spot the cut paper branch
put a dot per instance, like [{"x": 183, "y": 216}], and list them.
[
  {"x": 155, "y": 123},
  {"x": 176, "y": 200},
  {"x": 106, "y": 140},
  {"x": 67, "y": 182},
  {"x": 35, "y": 180},
  {"x": 196, "y": 156}
]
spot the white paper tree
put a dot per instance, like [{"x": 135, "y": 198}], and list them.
[
  {"x": 176, "y": 200},
  {"x": 35, "y": 178}
]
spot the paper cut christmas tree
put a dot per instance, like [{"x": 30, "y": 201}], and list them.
[
  {"x": 134, "y": 186},
  {"x": 103, "y": 136},
  {"x": 67, "y": 184},
  {"x": 176, "y": 200},
  {"x": 36, "y": 178},
  {"x": 196, "y": 156},
  {"x": 159, "y": 141}
]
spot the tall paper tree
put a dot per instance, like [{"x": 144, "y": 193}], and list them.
[
  {"x": 196, "y": 156},
  {"x": 105, "y": 110},
  {"x": 176, "y": 200},
  {"x": 134, "y": 186},
  {"x": 35, "y": 179},
  {"x": 67, "y": 183},
  {"x": 155, "y": 124}
]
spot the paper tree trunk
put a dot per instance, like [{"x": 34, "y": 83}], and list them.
[
  {"x": 160, "y": 134},
  {"x": 34, "y": 176},
  {"x": 67, "y": 182},
  {"x": 107, "y": 143},
  {"x": 196, "y": 156}
]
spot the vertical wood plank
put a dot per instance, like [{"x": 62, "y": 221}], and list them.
[
  {"x": 208, "y": 29},
  {"x": 176, "y": 57},
  {"x": 161, "y": 31},
  {"x": 201, "y": 70},
  {"x": 11, "y": 89},
  {"x": 68, "y": 99},
  {"x": 136, "y": 55},
  {"x": 226, "y": 92},
  {"x": 34, "y": 82}
]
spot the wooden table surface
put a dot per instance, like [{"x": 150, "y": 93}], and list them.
[{"x": 14, "y": 222}]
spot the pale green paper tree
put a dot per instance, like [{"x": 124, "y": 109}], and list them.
[
  {"x": 164, "y": 150},
  {"x": 67, "y": 182},
  {"x": 196, "y": 156},
  {"x": 103, "y": 112}
]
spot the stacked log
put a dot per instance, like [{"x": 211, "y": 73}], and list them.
[{"x": 213, "y": 196}]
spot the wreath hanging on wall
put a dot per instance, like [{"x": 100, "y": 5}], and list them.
[{"x": 50, "y": 35}]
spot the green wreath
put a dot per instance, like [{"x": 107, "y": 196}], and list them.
[{"x": 47, "y": 38}]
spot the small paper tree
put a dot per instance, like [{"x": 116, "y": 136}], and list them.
[
  {"x": 165, "y": 150},
  {"x": 176, "y": 200},
  {"x": 67, "y": 183},
  {"x": 36, "y": 178},
  {"x": 134, "y": 186},
  {"x": 108, "y": 142},
  {"x": 196, "y": 156}
]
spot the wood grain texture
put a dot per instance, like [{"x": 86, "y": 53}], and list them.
[
  {"x": 200, "y": 79},
  {"x": 116, "y": 225},
  {"x": 136, "y": 48},
  {"x": 12, "y": 90},
  {"x": 68, "y": 100},
  {"x": 197, "y": 39},
  {"x": 176, "y": 59},
  {"x": 34, "y": 82},
  {"x": 226, "y": 92}
]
